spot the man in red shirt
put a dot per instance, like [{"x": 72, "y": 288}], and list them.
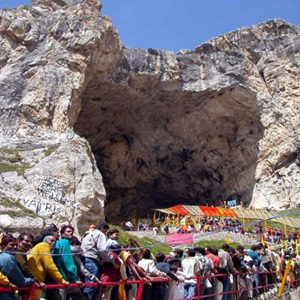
[
  {"x": 215, "y": 259},
  {"x": 110, "y": 272}
]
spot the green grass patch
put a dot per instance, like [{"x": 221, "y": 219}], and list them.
[
  {"x": 279, "y": 225},
  {"x": 9, "y": 203},
  {"x": 50, "y": 150},
  {"x": 218, "y": 244},
  {"x": 14, "y": 159},
  {"x": 295, "y": 215},
  {"x": 20, "y": 168},
  {"x": 17, "y": 150},
  {"x": 153, "y": 245},
  {"x": 18, "y": 214}
]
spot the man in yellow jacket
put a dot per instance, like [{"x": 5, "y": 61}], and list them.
[
  {"x": 41, "y": 262},
  {"x": 5, "y": 282}
]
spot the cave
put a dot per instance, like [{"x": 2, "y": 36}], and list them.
[{"x": 157, "y": 145}]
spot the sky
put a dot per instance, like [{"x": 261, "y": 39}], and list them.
[{"x": 185, "y": 24}]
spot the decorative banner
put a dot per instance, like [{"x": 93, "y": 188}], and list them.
[{"x": 179, "y": 238}]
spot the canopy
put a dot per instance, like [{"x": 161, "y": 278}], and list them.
[
  {"x": 237, "y": 212},
  {"x": 195, "y": 210}
]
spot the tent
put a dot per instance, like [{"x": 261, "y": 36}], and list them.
[{"x": 237, "y": 212}]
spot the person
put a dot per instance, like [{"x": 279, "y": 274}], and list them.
[
  {"x": 163, "y": 266},
  {"x": 176, "y": 288},
  {"x": 133, "y": 270},
  {"x": 166, "y": 229},
  {"x": 4, "y": 281},
  {"x": 141, "y": 225},
  {"x": 65, "y": 262},
  {"x": 10, "y": 268},
  {"x": 155, "y": 231},
  {"x": 217, "y": 282},
  {"x": 49, "y": 230},
  {"x": 255, "y": 256},
  {"x": 190, "y": 267},
  {"x": 161, "y": 289},
  {"x": 25, "y": 242},
  {"x": 94, "y": 247},
  {"x": 110, "y": 272},
  {"x": 226, "y": 267},
  {"x": 207, "y": 269},
  {"x": 91, "y": 228},
  {"x": 178, "y": 253},
  {"x": 148, "y": 265},
  {"x": 41, "y": 263},
  {"x": 82, "y": 271},
  {"x": 214, "y": 258},
  {"x": 113, "y": 236},
  {"x": 129, "y": 225},
  {"x": 266, "y": 261}
]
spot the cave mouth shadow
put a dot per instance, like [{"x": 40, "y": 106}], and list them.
[{"x": 162, "y": 148}]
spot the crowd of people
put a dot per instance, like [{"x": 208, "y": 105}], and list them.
[
  {"x": 209, "y": 224},
  {"x": 57, "y": 256}
]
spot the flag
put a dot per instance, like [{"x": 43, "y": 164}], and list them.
[
  {"x": 227, "y": 239},
  {"x": 262, "y": 239},
  {"x": 286, "y": 245}
]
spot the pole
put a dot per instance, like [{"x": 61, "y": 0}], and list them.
[
  {"x": 198, "y": 286},
  {"x": 285, "y": 231},
  {"x": 285, "y": 275},
  {"x": 154, "y": 218},
  {"x": 237, "y": 286}
]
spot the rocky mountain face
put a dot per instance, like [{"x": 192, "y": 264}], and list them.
[{"x": 90, "y": 129}]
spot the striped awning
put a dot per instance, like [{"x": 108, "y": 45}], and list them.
[{"x": 237, "y": 212}]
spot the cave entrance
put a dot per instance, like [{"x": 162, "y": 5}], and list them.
[{"x": 158, "y": 148}]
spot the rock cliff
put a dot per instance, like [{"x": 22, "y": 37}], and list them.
[{"x": 88, "y": 123}]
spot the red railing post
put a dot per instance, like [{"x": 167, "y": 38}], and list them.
[
  {"x": 198, "y": 286},
  {"x": 31, "y": 292},
  {"x": 139, "y": 293}
]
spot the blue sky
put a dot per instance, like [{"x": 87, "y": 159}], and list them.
[{"x": 179, "y": 24}]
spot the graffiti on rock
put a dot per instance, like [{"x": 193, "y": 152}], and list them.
[{"x": 53, "y": 189}]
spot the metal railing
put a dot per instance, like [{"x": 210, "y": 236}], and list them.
[{"x": 236, "y": 289}]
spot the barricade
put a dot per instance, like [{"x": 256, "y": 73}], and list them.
[{"x": 236, "y": 290}]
